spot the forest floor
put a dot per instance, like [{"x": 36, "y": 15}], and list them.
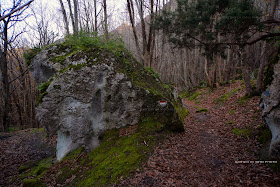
[
  {"x": 209, "y": 152},
  {"x": 218, "y": 135},
  {"x": 17, "y": 148}
]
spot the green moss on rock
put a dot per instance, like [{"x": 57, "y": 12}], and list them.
[{"x": 42, "y": 88}]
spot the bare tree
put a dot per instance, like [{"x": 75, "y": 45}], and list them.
[
  {"x": 9, "y": 17},
  {"x": 43, "y": 34}
]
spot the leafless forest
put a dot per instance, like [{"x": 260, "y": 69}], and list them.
[{"x": 30, "y": 24}]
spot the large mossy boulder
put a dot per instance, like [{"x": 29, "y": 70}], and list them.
[
  {"x": 271, "y": 111},
  {"x": 88, "y": 87}
]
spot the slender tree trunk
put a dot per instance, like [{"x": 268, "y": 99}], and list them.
[
  {"x": 106, "y": 33},
  {"x": 246, "y": 74},
  {"x": 95, "y": 17},
  {"x": 66, "y": 23},
  {"x": 5, "y": 80},
  {"x": 71, "y": 15},
  {"x": 206, "y": 72},
  {"x": 76, "y": 19}
]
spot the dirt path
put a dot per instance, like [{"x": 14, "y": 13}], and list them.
[{"x": 205, "y": 154}]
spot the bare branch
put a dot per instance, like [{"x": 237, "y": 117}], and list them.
[{"x": 15, "y": 10}]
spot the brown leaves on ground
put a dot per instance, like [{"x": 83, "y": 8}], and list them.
[{"x": 205, "y": 154}]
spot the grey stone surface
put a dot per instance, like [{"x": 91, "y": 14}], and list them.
[
  {"x": 271, "y": 111},
  {"x": 82, "y": 103}
]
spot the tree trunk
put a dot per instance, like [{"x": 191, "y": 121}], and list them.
[
  {"x": 106, "y": 33},
  {"x": 206, "y": 72},
  {"x": 5, "y": 80},
  {"x": 95, "y": 18},
  {"x": 76, "y": 21},
  {"x": 71, "y": 15},
  {"x": 64, "y": 17},
  {"x": 246, "y": 74}
]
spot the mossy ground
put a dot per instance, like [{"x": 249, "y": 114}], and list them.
[
  {"x": 241, "y": 132},
  {"x": 117, "y": 157},
  {"x": 32, "y": 172},
  {"x": 224, "y": 97},
  {"x": 191, "y": 95}
]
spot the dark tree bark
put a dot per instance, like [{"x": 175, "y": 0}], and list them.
[{"x": 5, "y": 80}]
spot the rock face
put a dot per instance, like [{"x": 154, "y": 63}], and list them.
[
  {"x": 271, "y": 111},
  {"x": 94, "y": 90}
]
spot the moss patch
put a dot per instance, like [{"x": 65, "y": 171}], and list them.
[
  {"x": 194, "y": 96},
  {"x": 200, "y": 110},
  {"x": 32, "y": 183},
  {"x": 182, "y": 111},
  {"x": 243, "y": 99},
  {"x": 37, "y": 130},
  {"x": 241, "y": 132},
  {"x": 224, "y": 97},
  {"x": 36, "y": 169},
  {"x": 43, "y": 90}
]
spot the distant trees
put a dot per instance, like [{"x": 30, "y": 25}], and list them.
[
  {"x": 9, "y": 17},
  {"x": 85, "y": 15},
  {"x": 144, "y": 12},
  {"x": 214, "y": 26},
  {"x": 42, "y": 28},
  {"x": 74, "y": 15}
]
